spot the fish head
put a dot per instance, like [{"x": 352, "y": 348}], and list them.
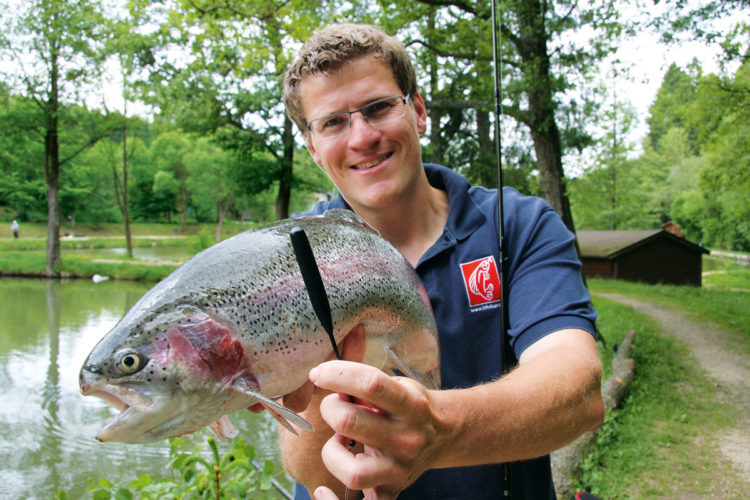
[{"x": 169, "y": 375}]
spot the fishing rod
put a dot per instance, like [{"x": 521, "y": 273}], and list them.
[{"x": 507, "y": 358}]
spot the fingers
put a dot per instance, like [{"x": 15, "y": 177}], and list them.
[
  {"x": 391, "y": 394},
  {"x": 397, "y": 428},
  {"x": 323, "y": 493}
]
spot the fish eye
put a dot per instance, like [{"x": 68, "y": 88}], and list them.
[{"x": 130, "y": 362}]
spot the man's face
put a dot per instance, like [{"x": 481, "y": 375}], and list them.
[{"x": 371, "y": 165}]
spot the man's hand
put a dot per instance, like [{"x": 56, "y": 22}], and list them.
[{"x": 395, "y": 422}]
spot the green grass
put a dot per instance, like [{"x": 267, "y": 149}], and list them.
[
  {"x": 726, "y": 308},
  {"x": 732, "y": 280},
  {"x": 658, "y": 442},
  {"x": 38, "y": 230},
  {"x": 21, "y": 245},
  {"x": 26, "y": 255},
  {"x": 81, "y": 266}
]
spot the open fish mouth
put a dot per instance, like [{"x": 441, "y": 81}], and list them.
[
  {"x": 111, "y": 399},
  {"x": 134, "y": 407}
]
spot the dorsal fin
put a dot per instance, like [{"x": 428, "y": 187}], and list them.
[
  {"x": 349, "y": 216},
  {"x": 344, "y": 214}
]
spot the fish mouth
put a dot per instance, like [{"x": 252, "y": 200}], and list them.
[{"x": 136, "y": 409}]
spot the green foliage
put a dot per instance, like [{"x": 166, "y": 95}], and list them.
[
  {"x": 695, "y": 169},
  {"x": 653, "y": 441},
  {"x": 232, "y": 475}
]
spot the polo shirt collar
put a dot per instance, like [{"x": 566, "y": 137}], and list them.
[{"x": 464, "y": 216}]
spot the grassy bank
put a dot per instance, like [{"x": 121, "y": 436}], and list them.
[
  {"x": 728, "y": 306},
  {"x": 82, "y": 266},
  {"x": 38, "y": 230},
  {"x": 26, "y": 256},
  {"x": 658, "y": 444}
]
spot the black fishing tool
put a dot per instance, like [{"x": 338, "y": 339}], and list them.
[
  {"x": 507, "y": 358},
  {"x": 315, "y": 288},
  {"x": 313, "y": 282}
]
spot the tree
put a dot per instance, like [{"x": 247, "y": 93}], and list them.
[
  {"x": 238, "y": 52},
  {"x": 453, "y": 43},
  {"x": 22, "y": 188},
  {"x": 168, "y": 152},
  {"x": 726, "y": 184},
  {"x": 212, "y": 179},
  {"x": 54, "y": 46},
  {"x": 609, "y": 196},
  {"x": 671, "y": 108}
]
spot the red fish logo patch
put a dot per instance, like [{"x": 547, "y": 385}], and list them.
[{"x": 482, "y": 281}]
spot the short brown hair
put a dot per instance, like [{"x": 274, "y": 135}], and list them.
[{"x": 328, "y": 50}]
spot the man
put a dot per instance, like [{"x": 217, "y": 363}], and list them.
[{"x": 353, "y": 94}]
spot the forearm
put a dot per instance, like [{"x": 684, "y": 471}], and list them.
[{"x": 546, "y": 402}]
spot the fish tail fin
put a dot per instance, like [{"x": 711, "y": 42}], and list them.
[
  {"x": 431, "y": 379},
  {"x": 281, "y": 413},
  {"x": 224, "y": 429}
]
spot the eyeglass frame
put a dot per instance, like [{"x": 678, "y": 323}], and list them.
[{"x": 404, "y": 99}]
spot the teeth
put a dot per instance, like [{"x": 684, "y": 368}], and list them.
[{"x": 370, "y": 164}]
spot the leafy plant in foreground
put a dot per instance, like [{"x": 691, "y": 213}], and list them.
[{"x": 233, "y": 475}]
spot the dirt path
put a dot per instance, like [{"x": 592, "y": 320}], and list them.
[{"x": 729, "y": 369}]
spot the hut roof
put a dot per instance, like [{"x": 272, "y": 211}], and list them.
[{"x": 611, "y": 244}]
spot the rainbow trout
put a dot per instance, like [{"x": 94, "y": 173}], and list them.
[{"x": 234, "y": 326}]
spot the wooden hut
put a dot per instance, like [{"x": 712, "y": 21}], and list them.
[{"x": 657, "y": 256}]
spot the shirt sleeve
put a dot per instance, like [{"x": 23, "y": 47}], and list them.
[{"x": 546, "y": 292}]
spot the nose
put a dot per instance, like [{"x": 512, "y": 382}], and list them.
[
  {"x": 83, "y": 383},
  {"x": 361, "y": 133}
]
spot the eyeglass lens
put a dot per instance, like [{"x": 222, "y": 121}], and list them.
[{"x": 375, "y": 113}]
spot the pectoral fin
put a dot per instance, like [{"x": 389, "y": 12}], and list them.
[
  {"x": 224, "y": 428},
  {"x": 430, "y": 379},
  {"x": 281, "y": 413}
]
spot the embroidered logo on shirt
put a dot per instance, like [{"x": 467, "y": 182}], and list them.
[{"x": 482, "y": 281}]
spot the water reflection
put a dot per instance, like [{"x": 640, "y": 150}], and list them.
[{"x": 47, "y": 428}]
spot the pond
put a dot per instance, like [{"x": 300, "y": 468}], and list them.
[{"x": 47, "y": 428}]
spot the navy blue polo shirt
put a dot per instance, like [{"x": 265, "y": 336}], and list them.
[{"x": 459, "y": 272}]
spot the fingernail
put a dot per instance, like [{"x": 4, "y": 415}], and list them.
[{"x": 313, "y": 375}]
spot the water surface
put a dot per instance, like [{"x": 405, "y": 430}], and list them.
[{"x": 47, "y": 429}]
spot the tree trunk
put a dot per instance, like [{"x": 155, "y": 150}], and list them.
[
  {"x": 285, "y": 176},
  {"x": 52, "y": 174},
  {"x": 551, "y": 177},
  {"x": 125, "y": 200},
  {"x": 532, "y": 46},
  {"x": 220, "y": 210},
  {"x": 183, "y": 208}
]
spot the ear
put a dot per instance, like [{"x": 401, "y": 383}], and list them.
[
  {"x": 421, "y": 111},
  {"x": 313, "y": 151}
]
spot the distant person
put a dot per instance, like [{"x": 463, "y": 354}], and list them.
[{"x": 15, "y": 228}]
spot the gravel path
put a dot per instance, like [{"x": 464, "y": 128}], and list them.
[{"x": 730, "y": 371}]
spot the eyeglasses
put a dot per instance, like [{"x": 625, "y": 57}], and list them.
[{"x": 374, "y": 113}]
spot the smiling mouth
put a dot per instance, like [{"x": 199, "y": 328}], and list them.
[{"x": 370, "y": 164}]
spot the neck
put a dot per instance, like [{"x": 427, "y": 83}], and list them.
[{"x": 413, "y": 225}]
